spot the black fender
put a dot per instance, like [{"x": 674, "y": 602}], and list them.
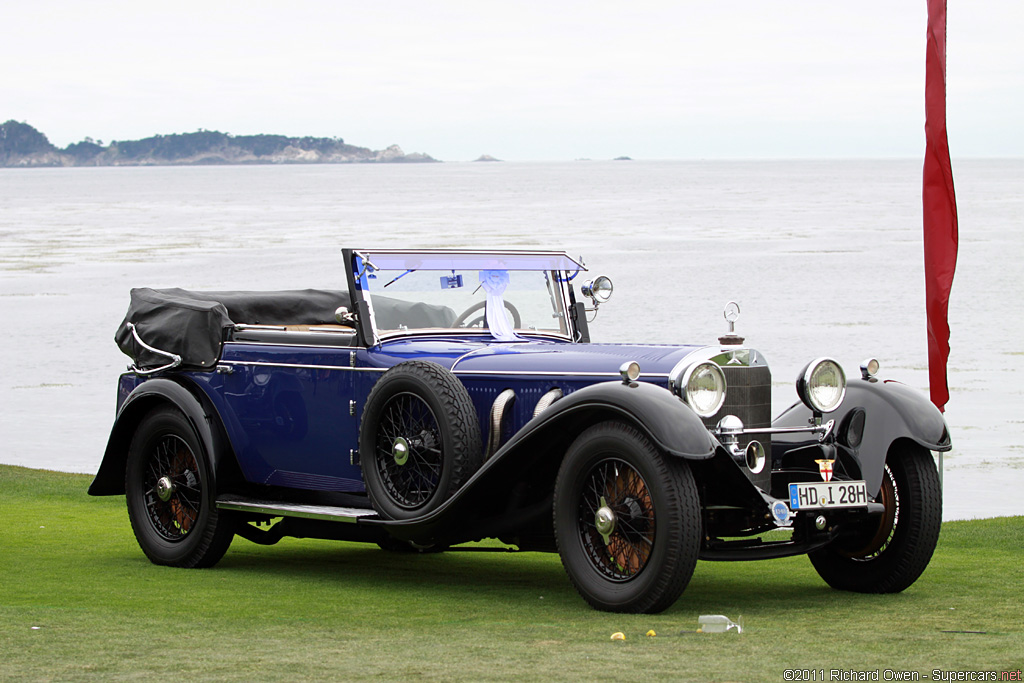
[
  {"x": 654, "y": 410},
  {"x": 892, "y": 411},
  {"x": 517, "y": 482},
  {"x": 176, "y": 391}
]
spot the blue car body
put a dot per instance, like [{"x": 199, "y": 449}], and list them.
[{"x": 282, "y": 423}]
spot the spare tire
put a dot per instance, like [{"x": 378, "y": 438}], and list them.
[{"x": 419, "y": 439}]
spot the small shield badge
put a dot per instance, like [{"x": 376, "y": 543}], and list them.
[{"x": 825, "y": 469}]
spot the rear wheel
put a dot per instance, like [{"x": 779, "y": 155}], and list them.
[
  {"x": 170, "y": 494},
  {"x": 627, "y": 520},
  {"x": 890, "y": 554}
]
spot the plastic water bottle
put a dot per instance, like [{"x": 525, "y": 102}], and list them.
[{"x": 716, "y": 623}]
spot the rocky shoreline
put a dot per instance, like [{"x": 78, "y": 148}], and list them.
[{"x": 22, "y": 146}]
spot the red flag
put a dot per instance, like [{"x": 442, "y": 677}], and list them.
[{"x": 940, "y": 225}]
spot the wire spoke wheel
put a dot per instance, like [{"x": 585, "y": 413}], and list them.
[
  {"x": 410, "y": 475},
  {"x": 621, "y": 547},
  {"x": 420, "y": 439},
  {"x": 627, "y": 520},
  {"x": 170, "y": 492},
  {"x": 173, "y": 493}
]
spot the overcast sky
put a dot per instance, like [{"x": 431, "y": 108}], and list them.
[{"x": 520, "y": 80}]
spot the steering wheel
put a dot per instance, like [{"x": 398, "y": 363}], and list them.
[{"x": 517, "y": 322}]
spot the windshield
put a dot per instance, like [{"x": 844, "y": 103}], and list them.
[{"x": 476, "y": 296}]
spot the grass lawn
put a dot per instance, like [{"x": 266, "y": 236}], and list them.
[{"x": 78, "y": 600}]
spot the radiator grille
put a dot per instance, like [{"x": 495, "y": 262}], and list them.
[{"x": 749, "y": 397}]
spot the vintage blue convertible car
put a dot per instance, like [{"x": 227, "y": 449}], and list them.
[{"x": 448, "y": 396}]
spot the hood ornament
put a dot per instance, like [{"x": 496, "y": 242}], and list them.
[{"x": 732, "y": 314}]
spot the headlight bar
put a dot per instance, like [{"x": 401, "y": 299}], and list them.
[{"x": 735, "y": 427}]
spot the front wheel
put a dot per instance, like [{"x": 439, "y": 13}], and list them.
[
  {"x": 170, "y": 494},
  {"x": 891, "y": 554},
  {"x": 627, "y": 520}
]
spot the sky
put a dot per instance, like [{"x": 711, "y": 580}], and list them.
[{"x": 523, "y": 80}]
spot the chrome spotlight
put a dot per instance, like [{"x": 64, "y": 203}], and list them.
[{"x": 598, "y": 290}]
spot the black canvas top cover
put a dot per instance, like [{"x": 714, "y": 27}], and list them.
[{"x": 193, "y": 324}]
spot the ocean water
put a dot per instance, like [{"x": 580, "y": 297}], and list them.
[{"x": 824, "y": 257}]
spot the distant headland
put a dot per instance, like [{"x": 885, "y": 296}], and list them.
[{"x": 22, "y": 146}]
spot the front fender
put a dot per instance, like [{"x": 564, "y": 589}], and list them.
[
  {"x": 175, "y": 391},
  {"x": 669, "y": 422},
  {"x": 892, "y": 411},
  {"x": 519, "y": 479}
]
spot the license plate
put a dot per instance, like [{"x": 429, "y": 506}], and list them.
[{"x": 832, "y": 494}]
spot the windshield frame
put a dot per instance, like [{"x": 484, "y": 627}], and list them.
[{"x": 559, "y": 266}]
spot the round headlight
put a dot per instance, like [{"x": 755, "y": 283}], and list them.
[
  {"x": 600, "y": 289},
  {"x": 822, "y": 385},
  {"x": 703, "y": 388}
]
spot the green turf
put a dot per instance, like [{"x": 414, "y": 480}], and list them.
[{"x": 79, "y": 600}]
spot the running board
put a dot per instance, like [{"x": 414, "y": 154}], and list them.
[{"x": 275, "y": 508}]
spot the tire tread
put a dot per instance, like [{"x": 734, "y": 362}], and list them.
[
  {"x": 675, "y": 483},
  {"x": 213, "y": 539},
  {"x": 902, "y": 562}
]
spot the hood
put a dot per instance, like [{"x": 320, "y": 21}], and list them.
[{"x": 561, "y": 359}]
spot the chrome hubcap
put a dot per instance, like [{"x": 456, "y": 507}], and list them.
[
  {"x": 164, "y": 488},
  {"x": 604, "y": 520},
  {"x": 400, "y": 451}
]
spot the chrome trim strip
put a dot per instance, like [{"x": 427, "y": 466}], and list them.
[
  {"x": 365, "y": 254},
  {"x": 249, "y": 326},
  {"x": 524, "y": 337},
  {"x": 348, "y": 331},
  {"x": 502, "y": 373},
  {"x": 466, "y": 355},
  {"x": 302, "y": 366},
  {"x": 276, "y": 509},
  {"x": 557, "y": 373},
  {"x": 292, "y": 345},
  {"x": 824, "y": 430}
]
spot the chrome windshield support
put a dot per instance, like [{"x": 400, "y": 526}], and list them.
[
  {"x": 175, "y": 358},
  {"x": 367, "y": 264}
]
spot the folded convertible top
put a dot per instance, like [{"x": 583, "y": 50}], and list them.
[{"x": 193, "y": 324}]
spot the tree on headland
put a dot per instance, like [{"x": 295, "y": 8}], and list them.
[
  {"x": 21, "y": 139},
  {"x": 84, "y": 151},
  {"x": 23, "y": 145}
]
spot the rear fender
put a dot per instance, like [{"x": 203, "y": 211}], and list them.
[
  {"x": 177, "y": 392},
  {"x": 891, "y": 411}
]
